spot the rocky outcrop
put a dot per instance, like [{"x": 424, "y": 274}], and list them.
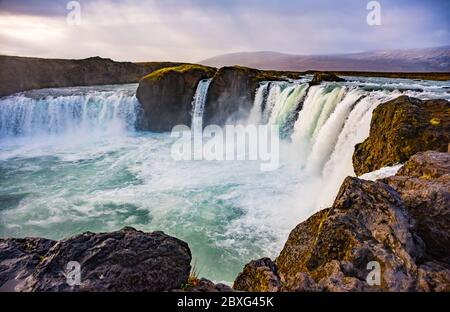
[
  {"x": 166, "y": 96},
  {"x": 232, "y": 91},
  {"x": 401, "y": 128},
  {"x": 320, "y": 77},
  {"x": 18, "y": 259},
  {"x": 401, "y": 223},
  {"x": 26, "y": 73},
  {"x": 126, "y": 260},
  {"x": 423, "y": 184},
  {"x": 258, "y": 275}
]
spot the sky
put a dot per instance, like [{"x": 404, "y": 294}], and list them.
[{"x": 193, "y": 30}]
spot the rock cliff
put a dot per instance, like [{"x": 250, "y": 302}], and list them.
[
  {"x": 166, "y": 96},
  {"x": 26, "y": 73},
  {"x": 401, "y": 128}
]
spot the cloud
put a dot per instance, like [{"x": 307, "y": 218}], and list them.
[{"x": 192, "y": 30}]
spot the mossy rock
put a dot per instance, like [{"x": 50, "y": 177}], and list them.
[
  {"x": 166, "y": 96},
  {"x": 320, "y": 77},
  {"x": 180, "y": 70},
  {"x": 401, "y": 128}
]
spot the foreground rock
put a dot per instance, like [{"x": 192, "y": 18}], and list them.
[
  {"x": 320, "y": 77},
  {"x": 258, "y": 275},
  {"x": 126, "y": 260},
  {"x": 166, "y": 96},
  {"x": 423, "y": 184},
  {"x": 401, "y": 128},
  {"x": 25, "y": 73},
  {"x": 370, "y": 221},
  {"x": 203, "y": 285}
]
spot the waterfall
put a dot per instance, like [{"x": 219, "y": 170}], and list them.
[
  {"x": 325, "y": 122},
  {"x": 261, "y": 94},
  {"x": 327, "y": 135},
  {"x": 355, "y": 130},
  {"x": 318, "y": 106},
  {"x": 284, "y": 111},
  {"x": 22, "y": 115},
  {"x": 276, "y": 103},
  {"x": 198, "y": 104},
  {"x": 272, "y": 98}
]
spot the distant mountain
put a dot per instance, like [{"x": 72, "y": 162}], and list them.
[{"x": 409, "y": 60}]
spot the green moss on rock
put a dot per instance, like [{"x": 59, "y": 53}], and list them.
[
  {"x": 401, "y": 128},
  {"x": 166, "y": 96},
  {"x": 181, "y": 69}
]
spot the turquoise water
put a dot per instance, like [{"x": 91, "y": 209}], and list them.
[
  {"x": 63, "y": 186},
  {"x": 71, "y": 161}
]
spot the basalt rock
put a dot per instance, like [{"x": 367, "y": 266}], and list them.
[
  {"x": 166, "y": 96},
  {"x": 400, "y": 223},
  {"x": 423, "y": 184},
  {"x": 401, "y": 128},
  {"x": 320, "y": 77},
  {"x": 18, "y": 259},
  {"x": 126, "y": 260},
  {"x": 232, "y": 92},
  {"x": 258, "y": 275}
]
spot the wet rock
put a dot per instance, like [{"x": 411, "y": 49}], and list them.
[
  {"x": 320, "y": 77},
  {"x": 126, "y": 260},
  {"x": 401, "y": 128},
  {"x": 166, "y": 96}
]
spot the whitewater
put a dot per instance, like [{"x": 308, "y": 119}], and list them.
[{"x": 71, "y": 161}]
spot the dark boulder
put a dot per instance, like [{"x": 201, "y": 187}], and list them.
[
  {"x": 18, "y": 259},
  {"x": 401, "y": 128},
  {"x": 126, "y": 260},
  {"x": 320, "y": 77},
  {"x": 166, "y": 96}
]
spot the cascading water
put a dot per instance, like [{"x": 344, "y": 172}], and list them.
[
  {"x": 327, "y": 131},
  {"x": 255, "y": 116},
  {"x": 284, "y": 111},
  {"x": 277, "y": 103},
  {"x": 229, "y": 212},
  {"x": 33, "y": 114},
  {"x": 198, "y": 104},
  {"x": 334, "y": 117}
]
